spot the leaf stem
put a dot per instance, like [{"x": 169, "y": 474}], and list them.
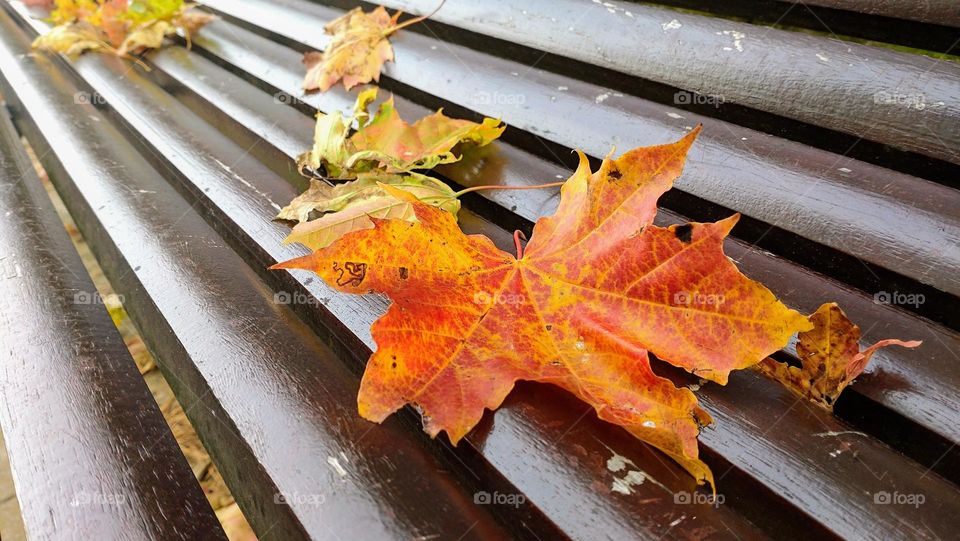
[
  {"x": 415, "y": 21},
  {"x": 496, "y": 187},
  {"x": 517, "y": 235}
]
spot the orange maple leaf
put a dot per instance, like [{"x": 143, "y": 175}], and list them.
[
  {"x": 598, "y": 287},
  {"x": 830, "y": 357}
]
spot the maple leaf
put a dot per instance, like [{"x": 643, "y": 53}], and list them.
[
  {"x": 598, "y": 287},
  {"x": 351, "y": 206},
  {"x": 120, "y": 26},
  {"x": 387, "y": 142},
  {"x": 357, "y": 50},
  {"x": 71, "y": 39},
  {"x": 830, "y": 357}
]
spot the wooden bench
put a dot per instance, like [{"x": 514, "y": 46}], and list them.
[{"x": 173, "y": 177}]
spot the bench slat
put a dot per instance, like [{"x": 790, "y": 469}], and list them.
[
  {"x": 90, "y": 452},
  {"x": 928, "y": 11}
]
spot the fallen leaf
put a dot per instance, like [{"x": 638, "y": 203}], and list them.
[
  {"x": 598, "y": 287},
  {"x": 350, "y": 206},
  {"x": 356, "y": 52},
  {"x": 146, "y": 36},
  {"x": 71, "y": 39},
  {"x": 119, "y": 26},
  {"x": 387, "y": 142},
  {"x": 392, "y": 142},
  {"x": 830, "y": 357}
]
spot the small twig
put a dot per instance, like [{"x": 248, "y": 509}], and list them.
[{"x": 416, "y": 20}]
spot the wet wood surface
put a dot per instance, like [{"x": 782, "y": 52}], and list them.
[{"x": 89, "y": 450}]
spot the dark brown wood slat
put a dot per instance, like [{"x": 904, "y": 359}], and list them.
[
  {"x": 897, "y": 22},
  {"x": 647, "y": 514},
  {"x": 90, "y": 452},
  {"x": 873, "y": 214},
  {"x": 927, "y": 399},
  {"x": 903, "y": 100},
  {"x": 274, "y": 405},
  {"x": 928, "y": 11},
  {"x": 801, "y": 492}
]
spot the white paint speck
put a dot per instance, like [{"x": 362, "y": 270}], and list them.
[
  {"x": 678, "y": 521},
  {"x": 562, "y": 88},
  {"x": 840, "y": 433},
  {"x": 631, "y": 479},
  {"x": 845, "y": 170},
  {"x": 617, "y": 463},
  {"x": 737, "y": 39},
  {"x": 335, "y": 464},
  {"x": 635, "y": 476},
  {"x": 672, "y": 25},
  {"x": 601, "y": 97},
  {"x": 823, "y": 57},
  {"x": 674, "y": 115}
]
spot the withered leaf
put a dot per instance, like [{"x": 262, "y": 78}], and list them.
[{"x": 830, "y": 357}]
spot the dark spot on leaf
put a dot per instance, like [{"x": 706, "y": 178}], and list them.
[
  {"x": 684, "y": 233},
  {"x": 404, "y": 273},
  {"x": 351, "y": 274},
  {"x": 615, "y": 173},
  {"x": 393, "y": 365},
  {"x": 549, "y": 327}
]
